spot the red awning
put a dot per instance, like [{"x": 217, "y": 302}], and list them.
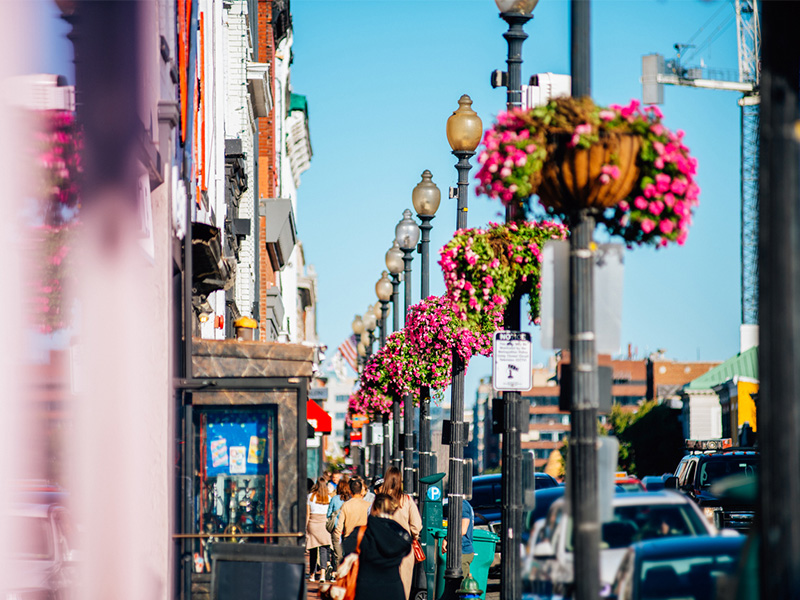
[{"x": 320, "y": 420}]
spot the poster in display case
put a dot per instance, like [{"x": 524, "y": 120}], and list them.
[{"x": 234, "y": 488}]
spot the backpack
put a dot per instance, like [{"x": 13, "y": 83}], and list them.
[
  {"x": 344, "y": 588},
  {"x": 330, "y": 524}
]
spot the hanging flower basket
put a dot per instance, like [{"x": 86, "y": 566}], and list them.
[
  {"x": 573, "y": 178},
  {"x": 484, "y": 267},
  {"x": 621, "y": 161}
]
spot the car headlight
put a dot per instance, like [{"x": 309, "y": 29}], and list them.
[{"x": 709, "y": 512}]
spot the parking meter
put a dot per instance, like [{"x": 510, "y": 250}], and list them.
[{"x": 431, "y": 509}]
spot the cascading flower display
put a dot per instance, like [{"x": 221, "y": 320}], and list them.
[
  {"x": 660, "y": 208},
  {"x": 483, "y": 267},
  {"x": 419, "y": 355},
  {"x": 657, "y": 211},
  {"x": 53, "y": 153}
]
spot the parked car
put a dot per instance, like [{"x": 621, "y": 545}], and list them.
[
  {"x": 677, "y": 568},
  {"x": 630, "y": 483},
  {"x": 637, "y": 517},
  {"x": 42, "y": 556},
  {"x": 697, "y": 473},
  {"x": 487, "y": 497},
  {"x": 654, "y": 483}
]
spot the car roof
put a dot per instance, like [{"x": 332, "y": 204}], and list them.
[
  {"x": 493, "y": 477},
  {"x": 680, "y": 546},
  {"x": 646, "y": 498}
]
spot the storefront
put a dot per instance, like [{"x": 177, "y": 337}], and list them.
[{"x": 243, "y": 488}]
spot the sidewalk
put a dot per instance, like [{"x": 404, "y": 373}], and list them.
[{"x": 312, "y": 590}]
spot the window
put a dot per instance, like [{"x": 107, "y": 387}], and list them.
[
  {"x": 234, "y": 483},
  {"x": 342, "y": 398},
  {"x": 340, "y": 416}
]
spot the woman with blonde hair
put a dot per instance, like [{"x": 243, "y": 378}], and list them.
[
  {"x": 407, "y": 515},
  {"x": 318, "y": 540}
]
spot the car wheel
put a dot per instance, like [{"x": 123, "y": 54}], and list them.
[{"x": 421, "y": 595}]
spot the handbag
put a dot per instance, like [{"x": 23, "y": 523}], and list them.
[
  {"x": 344, "y": 588},
  {"x": 419, "y": 553},
  {"x": 330, "y": 524}
]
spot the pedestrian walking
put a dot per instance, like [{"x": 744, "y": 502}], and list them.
[
  {"x": 318, "y": 540},
  {"x": 354, "y": 512},
  {"x": 407, "y": 515},
  {"x": 343, "y": 494},
  {"x": 383, "y": 547},
  {"x": 467, "y": 549}
]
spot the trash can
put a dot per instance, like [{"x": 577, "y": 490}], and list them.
[{"x": 484, "y": 543}]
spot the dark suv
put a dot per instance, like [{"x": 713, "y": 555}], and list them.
[
  {"x": 697, "y": 472},
  {"x": 487, "y": 498}
]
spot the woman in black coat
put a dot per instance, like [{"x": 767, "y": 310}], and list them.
[{"x": 383, "y": 547}]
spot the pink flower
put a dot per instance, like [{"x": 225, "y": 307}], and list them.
[
  {"x": 610, "y": 170},
  {"x": 640, "y": 203},
  {"x": 607, "y": 115},
  {"x": 666, "y": 227},
  {"x": 647, "y": 225},
  {"x": 662, "y": 183}
]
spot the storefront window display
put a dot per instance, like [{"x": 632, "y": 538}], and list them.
[{"x": 235, "y": 486}]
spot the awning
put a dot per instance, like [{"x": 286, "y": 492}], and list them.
[{"x": 318, "y": 418}]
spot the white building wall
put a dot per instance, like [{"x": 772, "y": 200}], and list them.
[
  {"x": 287, "y": 279},
  {"x": 240, "y": 123},
  {"x": 702, "y": 415}
]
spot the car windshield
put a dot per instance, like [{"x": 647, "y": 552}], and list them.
[
  {"x": 32, "y": 537},
  {"x": 633, "y": 524},
  {"x": 715, "y": 469},
  {"x": 684, "y": 577},
  {"x": 483, "y": 495}
]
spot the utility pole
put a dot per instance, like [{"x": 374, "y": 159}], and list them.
[{"x": 779, "y": 352}]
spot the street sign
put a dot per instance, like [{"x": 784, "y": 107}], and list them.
[
  {"x": 512, "y": 354},
  {"x": 434, "y": 493}
]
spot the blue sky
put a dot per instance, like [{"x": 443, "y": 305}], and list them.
[{"x": 381, "y": 79}]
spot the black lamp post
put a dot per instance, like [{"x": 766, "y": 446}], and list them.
[
  {"x": 516, "y": 13},
  {"x": 584, "y": 397},
  {"x": 406, "y": 234},
  {"x": 394, "y": 262},
  {"x": 426, "y": 198},
  {"x": 384, "y": 289},
  {"x": 464, "y": 130}
]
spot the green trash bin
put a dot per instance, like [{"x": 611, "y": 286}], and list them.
[{"x": 484, "y": 543}]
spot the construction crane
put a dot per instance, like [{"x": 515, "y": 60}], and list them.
[{"x": 656, "y": 72}]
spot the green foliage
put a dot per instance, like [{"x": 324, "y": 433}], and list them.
[{"x": 650, "y": 439}]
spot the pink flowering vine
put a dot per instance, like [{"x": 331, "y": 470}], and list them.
[{"x": 504, "y": 256}]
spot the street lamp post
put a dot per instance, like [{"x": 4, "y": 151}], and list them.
[
  {"x": 516, "y": 13},
  {"x": 584, "y": 397},
  {"x": 406, "y": 234},
  {"x": 394, "y": 262},
  {"x": 383, "y": 289},
  {"x": 464, "y": 130},
  {"x": 426, "y": 198}
]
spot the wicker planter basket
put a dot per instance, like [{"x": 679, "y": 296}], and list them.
[{"x": 571, "y": 177}]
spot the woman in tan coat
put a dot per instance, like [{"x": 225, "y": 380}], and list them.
[{"x": 406, "y": 515}]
